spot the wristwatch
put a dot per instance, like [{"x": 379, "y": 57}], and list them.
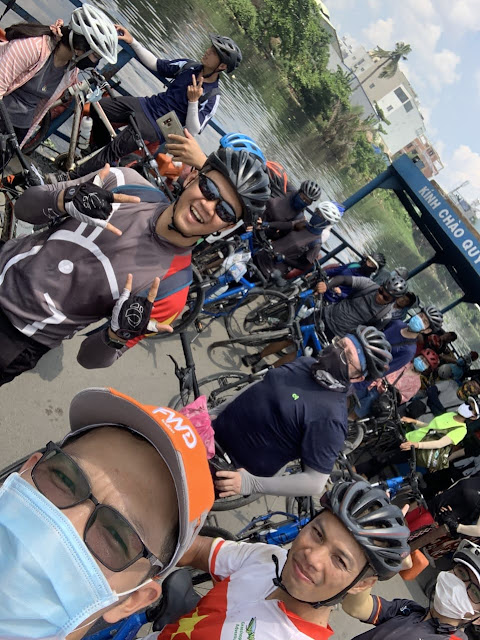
[{"x": 113, "y": 343}]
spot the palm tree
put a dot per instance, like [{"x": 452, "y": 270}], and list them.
[{"x": 390, "y": 60}]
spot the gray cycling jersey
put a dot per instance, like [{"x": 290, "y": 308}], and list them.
[
  {"x": 55, "y": 282},
  {"x": 22, "y": 102},
  {"x": 345, "y": 316}
]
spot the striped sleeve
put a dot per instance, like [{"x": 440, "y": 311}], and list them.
[{"x": 16, "y": 59}]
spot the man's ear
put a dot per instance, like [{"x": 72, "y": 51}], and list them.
[
  {"x": 359, "y": 379},
  {"x": 366, "y": 583},
  {"x": 31, "y": 462},
  {"x": 137, "y": 601},
  {"x": 221, "y": 67},
  {"x": 190, "y": 178}
]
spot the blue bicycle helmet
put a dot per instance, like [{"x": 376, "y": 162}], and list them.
[{"x": 241, "y": 141}]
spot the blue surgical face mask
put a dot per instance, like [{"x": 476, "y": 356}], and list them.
[
  {"x": 297, "y": 203},
  {"x": 415, "y": 324},
  {"x": 420, "y": 364},
  {"x": 54, "y": 583}
]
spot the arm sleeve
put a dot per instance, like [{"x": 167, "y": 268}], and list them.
[
  {"x": 38, "y": 205},
  {"x": 17, "y": 57},
  {"x": 339, "y": 281},
  {"x": 307, "y": 483},
  {"x": 281, "y": 225},
  {"x": 472, "y": 530},
  {"x": 145, "y": 56},
  {"x": 384, "y": 610},
  {"x": 192, "y": 122}
]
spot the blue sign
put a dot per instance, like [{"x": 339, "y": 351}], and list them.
[{"x": 467, "y": 242}]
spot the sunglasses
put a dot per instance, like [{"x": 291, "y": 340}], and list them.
[
  {"x": 210, "y": 191},
  {"x": 108, "y": 535},
  {"x": 473, "y": 590},
  {"x": 385, "y": 295}
]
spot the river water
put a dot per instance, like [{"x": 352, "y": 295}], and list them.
[{"x": 257, "y": 102}]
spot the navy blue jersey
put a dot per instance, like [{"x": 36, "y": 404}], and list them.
[
  {"x": 403, "y": 349},
  {"x": 405, "y": 620},
  {"x": 175, "y": 97},
  {"x": 285, "y": 416}
]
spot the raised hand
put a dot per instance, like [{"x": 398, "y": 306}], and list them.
[
  {"x": 124, "y": 34},
  {"x": 131, "y": 314},
  {"x": 186, "y": 149},
  {"x": 195, "y": 90}
]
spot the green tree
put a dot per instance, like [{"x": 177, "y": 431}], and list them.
[{"x": 391, "y": 60}]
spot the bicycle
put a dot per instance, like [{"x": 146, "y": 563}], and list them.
[{"x": 11, "y": 186}]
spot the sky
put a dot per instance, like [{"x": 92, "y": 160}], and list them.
[{"x": 443, "y": 68}]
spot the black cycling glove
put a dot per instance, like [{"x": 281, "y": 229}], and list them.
[
  {"x": 131, "y": 316},
  {"x": 86, "y": 201}
]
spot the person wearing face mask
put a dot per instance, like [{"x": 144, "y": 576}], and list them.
[
  {"x": 263, "y": 592},
  {"x": 87, "y": 527},
  {"x": 407, "y": 380},
  {"x": 38, "y": 63},
  {"x": 456, "y": 602},
  {"x": 367, "y": 267},
  {"x": 298, "y": 410}
]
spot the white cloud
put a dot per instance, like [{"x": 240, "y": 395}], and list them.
[
  {"x": 444, "y": 64},
  {"x": 462, "y": 15},
  {"x": 380, "y": 33},
  {"x": 463, "y": 165}
]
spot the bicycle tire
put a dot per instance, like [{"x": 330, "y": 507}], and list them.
[
  {"x": 254, "y": 340},
  {"x": 354, "y": 438},
  {"x": 191, "y": 311},
  {"x": 9, "y": 221},
  {"x": 39, "y": 135},
  {"x": 260, "y": 310},
  {"x": 234, "y": 502},
  {"x": 217, "y": 380},
  {"x": 216, "y": 532}
]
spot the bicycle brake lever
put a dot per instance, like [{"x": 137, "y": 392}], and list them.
[{"x": 178, "y": 370}]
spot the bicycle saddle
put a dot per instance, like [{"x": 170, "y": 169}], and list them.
[{"x": 178, "y": 598}]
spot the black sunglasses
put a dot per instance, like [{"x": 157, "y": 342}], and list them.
[
  {"x": 108, "y": 535},
  {"x": 210, "y": 191}
]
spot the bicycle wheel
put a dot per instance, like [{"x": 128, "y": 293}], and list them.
[
  {"x": 354, "y": 437},
  {"x": 260, "y": 310},
  {"x": 193, "y": 306},
  {"x": 39, "y": 135},
  {"x": 254, "y": 340},
  {"x": 234, "y": 502},
  {"x": 218, "y": 388},
  {"x": 9, "y": 222}
]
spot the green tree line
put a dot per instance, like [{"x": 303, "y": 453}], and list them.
[{"x": 292, "y": 31}]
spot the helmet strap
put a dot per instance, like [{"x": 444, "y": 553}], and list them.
[{"x": 277, "y": 581}]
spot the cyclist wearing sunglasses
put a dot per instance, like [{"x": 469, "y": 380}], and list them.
[
  {"x": 369, "y": 303},
  {"x": 456, "y": 602},
  {"x": 86, "y": 525},
  {"x": 114, "y": 249}
]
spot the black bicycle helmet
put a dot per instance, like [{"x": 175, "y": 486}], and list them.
[
  {"x": 377, "y": 525},
  {"x": 228, "y": 51},
  {"x": 434, "y": 315},
  {"x": 247, "y": 175},
  {"x": 311, "y": 189},
  {"x": 395, "y": 286},
  {"x": 376, "y": 257},
  {"x": 375, "y": 348}
]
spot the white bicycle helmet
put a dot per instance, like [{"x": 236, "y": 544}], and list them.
[
  {"x": 98, "y": 30},
  {"x": 330, "y": 212}
]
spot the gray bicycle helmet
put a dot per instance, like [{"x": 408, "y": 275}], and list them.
[
  {"x": 248, "y": 177},
  {"x": 311, "y": 189},
  {"x": 434, "y": 315},
  {"x": 375, "y": 349},
  {"x": 228, "y": 51},
  {"x": 377, "y": 525},
  {"x": 395, "y": 286},
  {"x": 400, "y": 271},
  {"x": 469, "y": 553}
]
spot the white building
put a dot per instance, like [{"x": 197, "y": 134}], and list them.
[{"x": 400, "y": 107}]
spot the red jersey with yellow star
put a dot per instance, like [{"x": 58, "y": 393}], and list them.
[{"x": 236, "y": 608}]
